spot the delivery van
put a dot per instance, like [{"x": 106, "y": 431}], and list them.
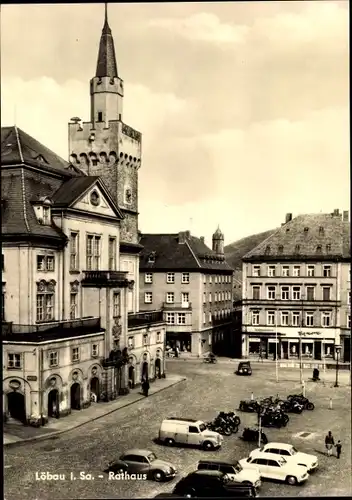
[{"x": 188, "y": 432}]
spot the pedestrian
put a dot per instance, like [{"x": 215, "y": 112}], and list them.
[
  {"x": 146, "y": 388},
  {"x": 329, "y": 443},
  {"x": 338, "y": 447}
]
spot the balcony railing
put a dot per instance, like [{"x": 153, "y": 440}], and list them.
[
  {"x": 88, "y": 322},
  {"x": 177, "y": 305},
  {"x": 144, "y": 318},
  {"x": 297, "y": 302},
  {"x": 105, "y": 279}
]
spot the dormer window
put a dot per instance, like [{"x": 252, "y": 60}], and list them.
[
  {"x": 321, "y": 230},
  {"x": 306, "y": 229},
  {"x": 319, "y": 249},
  {"x": 297, "y": 248},
  {"x": 46, "y": 215},
  {"x": 151, "y": 258},
  {"x": 267, "y": 249},
  {"x": 328, "y": 248},
  {"x": 280, "y": 248}
]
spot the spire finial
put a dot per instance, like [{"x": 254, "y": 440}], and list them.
[{"x": 106, "y": 13}]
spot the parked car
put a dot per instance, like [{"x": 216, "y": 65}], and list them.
[
  {"x": 271, "y": 466},
  {"x": 235, "y": 472},
  {"x": 211, "y": 483},
  {"x": 188, "y": 432},
  {"x": 290, "y": 454},
  {"x": 244, "y": 368},
  {"x": 143, "y": 462}
]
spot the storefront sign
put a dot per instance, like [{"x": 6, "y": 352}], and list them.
[
  {"x": 254, "y": 339},
  {"x": 263, "y": 330},
  {"x": 32, "y": 378}
]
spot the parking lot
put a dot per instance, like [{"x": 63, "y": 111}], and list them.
[{"x": 207, "y": 390}]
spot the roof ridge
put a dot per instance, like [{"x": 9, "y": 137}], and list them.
[
  {"x": 192, "y": 252},
  {"x": 24, "y": 200},
  {"x": 264, "y": 241},
  {"x": 19, "y": 143}
]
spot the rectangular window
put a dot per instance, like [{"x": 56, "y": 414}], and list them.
[
  {"x": 256, "y": 270},
  {"x": 215, "y": 279},
  {"x": 271, "y": 318},
  {"x": 348, "y": 321},
  {"x": 209, "y": 296},
  {"x": 170, "y": 318},
  {"x": 2, "y": 262},
  {"x": 271, "y": 292},
  {"x": 285, "y": 293},
  {"x": 327, "y": 271},
  {"x": 95, "y": 350},
  {"x": 170, "y": 277},
  {"x": 50, "y": 263},
  {"x": 145, "y": 339},
  {"x": 296, "y": 293},
  {"x": 148, "y": 278},
  {"x": 40, "y": 262},
  {"x": 271, "y": 271},
  {"x": 349, "y": 297},
  {"x": 158, "y": 337},
  {"x": 285, "y": 271},
  {"x": 296, "y": 316},
  {"x": 210, "y": 280},
  {"x": 326, "y": 293},
  {"x": 73, "y": 305},
  {"x": 45, "y": 306},
  {"x": 3, "y": 306},
  {"x": 53, "y": 358},
  {"x": 326, "y": 319},
  {"x": 256, "y": 292},
  {"x": 204, "y": 279},
  {"x": 204, "y": 318},
  {"x": 284, "y": 318},
  {"x": 112, "y": 254},
  {"x": 116, "y": 301},
  {"x": 255, "y": 317},
  {"x": 310, "y": 292},
  {"x": 74, "y": 251},
  {"x": 97, "y": 240},
  {"x": 14, "y": 360},
  {"x": 75, "y": 354},
  {"x": 130, "y": 342},
  {"x": 204, "y": 297},
  {"x": 46, "y": 215},
  {"x": 185, "y": 278},
  {"x": 89, "y": 252},
  {"x": 309, "y": 319},
  {"x": 209, "y": 319},
  {"x": 310, "y": 271},
  {"x": 215, "y": 296},
  {"x": 148, "y": 298},
  {"x": 296, "y": 271},
  {"x": 181, "y": 318},
  {"x": 170, "y": 297},
  {"x": 185, "y": 298}
]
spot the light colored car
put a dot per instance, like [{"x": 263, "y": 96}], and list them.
[
  {"x": 143, "y": 462},
  {"x": 234, "y": 472},
  {"x": 271, "y": 466},
  {"x": 188, "y": 432},
  {"x": 290, "y": 453}
]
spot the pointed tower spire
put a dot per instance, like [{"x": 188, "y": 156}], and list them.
[{"x": 106, "y": 65}]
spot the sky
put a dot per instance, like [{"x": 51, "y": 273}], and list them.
[{"x": 243, "y": 106}]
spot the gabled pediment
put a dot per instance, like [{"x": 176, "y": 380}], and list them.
[{"x": 96, "y": 200}]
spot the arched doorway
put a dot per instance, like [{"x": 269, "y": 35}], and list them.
[
  {"x": 131, "y": 377},
  {"x": 53, "y": 403},
  {"x": 95, "y": 389},
  {"x": 16, "y": 406},
  {"x": 75, "y": 396},
  {"x": 145, "y": 371},
  {"x": 157, "y": 368}
]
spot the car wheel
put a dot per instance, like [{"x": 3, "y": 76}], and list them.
[
  {"x": 291, "y": 480},
  {"x": 247, "y": 483},
  {"x": 169, "y": 442},
  {"x": 190, "y": 494},
  {"x": 208, "y": 445},
  {"x": 158, "y": 476},
  {"x": 310, "y": 406}
]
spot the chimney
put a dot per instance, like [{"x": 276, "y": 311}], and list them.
[
  {"x": 288, "y": 218},
  {"x": 202, "y": 238},
  {"x": 336, "y": 212},
  {"x": 183, "y": 236},
  {"x": 345, "y": 216}
]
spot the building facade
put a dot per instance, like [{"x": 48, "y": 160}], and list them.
[
  {"x": 296, "y": 290},
  {"x": 72, "y": 334},
  {"x": 193, "y": 286}
]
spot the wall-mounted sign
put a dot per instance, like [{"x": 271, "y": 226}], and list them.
[
  {"x": 15, "y": 384},
  {"x": 32, "y": 378}
]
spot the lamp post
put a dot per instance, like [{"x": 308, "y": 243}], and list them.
[
  {"x": 300, "y": 359},
  {"x": 276, "y": 348},
  {"x": 337, "y": 351}
]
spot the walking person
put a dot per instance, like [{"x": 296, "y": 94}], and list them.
[
  {"x": 329, "y": 443},
  {"x": 338, "y": 447},
  {"x": 145, "y": 387}
]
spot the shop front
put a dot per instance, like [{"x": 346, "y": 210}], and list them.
[{"x": 180, "y": 340}]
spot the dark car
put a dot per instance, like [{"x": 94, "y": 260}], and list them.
[
  {"x": 244, "y": 368},
  {"x": 211, "y": 483}
]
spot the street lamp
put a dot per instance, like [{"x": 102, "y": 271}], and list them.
[
  {"x": 337, "y": 350},
  {"x": 300, "y": 358},
  {"x": 276, "y": 349}
]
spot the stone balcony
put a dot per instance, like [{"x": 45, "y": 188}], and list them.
[
  {"x": 145, "y": 318},
  {"x": 105, "y": 279},
  {"x": 173, "y": 306}
]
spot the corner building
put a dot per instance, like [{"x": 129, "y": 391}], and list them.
[{"x": 296, "y": 287}]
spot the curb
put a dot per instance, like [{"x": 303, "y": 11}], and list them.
[{"x": 56, "y": 433}]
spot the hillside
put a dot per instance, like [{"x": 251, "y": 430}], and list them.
[{"x": 235, "y": 251}]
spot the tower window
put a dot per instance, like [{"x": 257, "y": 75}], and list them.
[{"x": 100, "y": 116}]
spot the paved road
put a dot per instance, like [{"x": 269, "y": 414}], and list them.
[{"x": 207, "y": 390}]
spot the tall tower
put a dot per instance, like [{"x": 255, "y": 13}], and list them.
[
  {"x": 107, "y": 147},
  {"x": 218, "y": 242}
]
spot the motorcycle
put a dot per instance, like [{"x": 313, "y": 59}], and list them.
[
  {"x": 249, "y": 406},
  {"x": 221, "y": 426},
  {"x": 307, "y": 405},
  {"x": 252, "y": 434},
  {"x": 292, "y": 406},
  {"x": 230, "y": 420},
  {"x": 274, "y": 419}
]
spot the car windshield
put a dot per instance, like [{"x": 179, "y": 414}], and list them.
[
  {"x": 238, "y": 467},
  {"x": 282, "y": 461},
  {"x": 202, "y": 427},
  {"x": 151, "y": 457}
]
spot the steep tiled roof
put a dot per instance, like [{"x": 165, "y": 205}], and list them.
[
  {"x": 106, "y": 65},
  {"x": 17, "y": 148},
  {"x": 71, "y": 189},
  {"x": 311, "y": 236},
  {"x": 169, "y": 253},
  {"x": 235, "y": 251}
]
